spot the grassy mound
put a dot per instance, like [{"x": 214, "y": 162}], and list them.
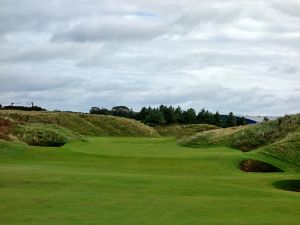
[
  {"x": 211, "y": 137},
  {"x": 118, "y": 126},
  {"x": 279, "y": 138},
  {"x": 57, "y": 128},
  {"x": 45, "y": 135},
  {"x": 286, "y": 149},
  {"x": 183, "y": 130}
]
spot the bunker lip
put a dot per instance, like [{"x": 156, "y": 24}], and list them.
[
  {"x": 288, "y": 185},
  {"x": 252, "y": 165}
]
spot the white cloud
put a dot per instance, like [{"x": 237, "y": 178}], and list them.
[{"x": 224, "y": 55}]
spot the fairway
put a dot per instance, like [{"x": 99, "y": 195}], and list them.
[{"x": 140, "y": 181}]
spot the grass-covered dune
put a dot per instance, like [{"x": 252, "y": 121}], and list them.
[
  {"x": 279, "y": 138},
  {"x": 180, "y": 131},
  {"x": 141, "y": 181},
  {"x": 58, "y": 128}
]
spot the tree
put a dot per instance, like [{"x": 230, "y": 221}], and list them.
[
  {"x": 168, "y": 114},
  {"x": 142, "y": 114},
  {"x": 231, "y": 120},
  {"x": 94, "y": 110},
  {"x": 218, "y": 121},
  {"x": 121, "y": 110},
  {"x": 154, "y": 117},
  {"x": 178, "y": 115},
  {"x": 0, "y": 106},
  {"x": 266, "y": 119},
  {"x": 189, "y": 116},
  {"x": 241, "y": 121},
  {"x": 210, "y": 118},
  {"x": 101, "y": 111},
  {"x": 201, "y": 116}
]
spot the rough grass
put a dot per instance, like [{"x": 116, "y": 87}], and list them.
[
  {"x": 45, "y": 134},
  {"x": 6, "y": 128},
  {"x": 56, "y": 128},
  {"x": 212, "y": 137},
  {"x": 140, "y": 181},
  {"x": 118, "y": 126},
  {"x": 287, "y": 149},
  {"x": 279, "y": 138},
  {"x": 180, "y": 131}
]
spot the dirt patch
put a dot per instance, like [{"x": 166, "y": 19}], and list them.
[
  {"x": 6, "y": 128},
  {"x": 252, "y": 165},
  {"x": 288, "y": 185}
]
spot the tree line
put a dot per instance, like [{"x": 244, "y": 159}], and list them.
[
  {"x": 166, "y": 115},
  {"x": 24, "y": 108}
]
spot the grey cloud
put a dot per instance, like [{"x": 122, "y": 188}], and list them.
[
  {"x": 223, "y": 55},
  {"x": 24, "y": 78},
  {"x": 289, "y": 7},
  {"x": 112, "y": 29}
]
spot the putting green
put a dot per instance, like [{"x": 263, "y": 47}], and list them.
[{"x": 140, "y": 181}]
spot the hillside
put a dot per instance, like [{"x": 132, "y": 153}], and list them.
[
  {"x": 58, "y": 128},
  {"x": 278, "y": 138},
  {"x": 180, "y": 131}
]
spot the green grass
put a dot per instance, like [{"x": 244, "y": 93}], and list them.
[{"x": 140, "y": 181}]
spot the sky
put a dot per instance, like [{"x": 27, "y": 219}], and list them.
[{"x": 234, "y": 55}]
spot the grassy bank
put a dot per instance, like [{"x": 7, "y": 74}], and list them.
[
  {"x": 57, "y": 128},
  {"x": 279, "y": 138},
  {"x": 180, "y": 131}
]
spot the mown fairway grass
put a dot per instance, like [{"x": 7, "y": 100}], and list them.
[{"x": 140, "y": 181}]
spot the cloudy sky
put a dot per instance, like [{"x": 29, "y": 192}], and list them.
[{"x": 233, "y": 55}]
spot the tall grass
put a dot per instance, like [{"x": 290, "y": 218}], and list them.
[
  {"x": 45, "y": 134},
  {"x": 84, "y": 124},
  {"x": 180, "y": 131},
  {"x": 279, "y": 138}
]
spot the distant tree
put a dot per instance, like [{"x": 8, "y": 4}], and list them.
[
  {"x": 231, "y": 120},
  {"x": 189, "y": 116},
  {"x": 101, "y": 111},
  {"x": 154, "y": 117},
  {"x": 0, "y": 106},
  {"x": 24, "y": 108},
  {"x": 123, "y": 111},
  {"x": 142, "y": 114},
  {"x": 241, "y": 121},
  {"x": 104, "y": 111},
  {"x": 168, "y": 114},
  {"x": 132, "y": 114},
  {"x": 94, "y": 110},
  {"x": 218, "y": 120},
  {"x": 201, "y": 116},
  {"x": 266, "y": 119},
  {"x": 210, "y": 118},
  {"x": 178, "y": 115}
]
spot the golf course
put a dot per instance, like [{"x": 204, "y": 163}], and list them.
[{"x": 64, "y": 168}]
